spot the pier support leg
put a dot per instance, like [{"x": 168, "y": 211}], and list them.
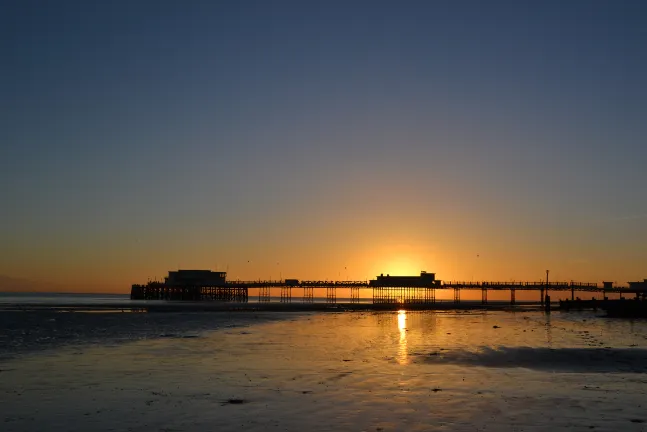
[
  {"x": 572, "y": 293},
  {"x": 264, "y": 294},
  {"x": 308, "y": 294},
  {"x": 354, "y": 294},
  {"x": 457, "y": 295},
  {"x": 430, "y": 295},
  {"x": 331, "y": 295},
  {"x": 484, "y": 295},
  {"x": 286, "y": 294},
  {"x": 512, "y": 296}
]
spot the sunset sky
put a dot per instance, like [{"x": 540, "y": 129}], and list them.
[{"x": 481, "y": 140}]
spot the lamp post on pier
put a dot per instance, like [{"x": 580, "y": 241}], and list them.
[
  {"x": 544, "y": 288},
  {"x": 545, "y": 301}
]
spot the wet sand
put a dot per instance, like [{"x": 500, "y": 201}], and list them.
[{"x": 372, "y": 371}]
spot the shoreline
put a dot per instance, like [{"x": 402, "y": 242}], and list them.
[{"x": 264, "y": 307}]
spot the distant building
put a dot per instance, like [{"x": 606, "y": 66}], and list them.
[
  {"x": 195, "y": 278},
  {"x": 425, "y": 280}
]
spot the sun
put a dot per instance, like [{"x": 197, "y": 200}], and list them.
[
  {"x": 399, "y": 259},
  {"x": 403, "y": 266}
]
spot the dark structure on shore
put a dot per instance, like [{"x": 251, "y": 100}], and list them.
[
  {"x": 206, "y": 285},
  {"x": 633, "y": 307}
]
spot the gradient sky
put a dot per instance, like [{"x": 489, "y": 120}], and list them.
[{"x": 322, "y": 140}]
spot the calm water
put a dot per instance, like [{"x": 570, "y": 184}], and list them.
[
  {"x": 327, "y": 371},
  {"x": 62, "y": 298}
]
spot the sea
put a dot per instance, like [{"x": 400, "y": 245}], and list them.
[{"x": 118, "y": 369}]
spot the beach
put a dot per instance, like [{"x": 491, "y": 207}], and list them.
[{"x": 372, "y": 371}]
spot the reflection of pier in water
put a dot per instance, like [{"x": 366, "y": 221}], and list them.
[{"x": 204, "y": 285}]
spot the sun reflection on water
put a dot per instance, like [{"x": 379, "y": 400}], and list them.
[{"x": 402, "y": 347}]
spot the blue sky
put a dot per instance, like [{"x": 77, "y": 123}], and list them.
[{"x": 140, "y": 136}]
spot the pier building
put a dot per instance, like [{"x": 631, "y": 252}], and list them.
[
  {"x": 425, "y": 280},
  {"x": 405, "y": 289},
  {"x": 638, "y": 286},
  {"x": 192, "y": 285},
  {"x": 195, "y": 278}
]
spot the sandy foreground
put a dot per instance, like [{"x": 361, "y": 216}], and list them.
[{"x": 360, "y": 371}]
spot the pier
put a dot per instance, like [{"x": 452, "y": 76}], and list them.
[{"x": 203, "y": 285}]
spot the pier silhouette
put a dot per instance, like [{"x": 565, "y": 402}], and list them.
[{"x": 203, "y": 285}]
